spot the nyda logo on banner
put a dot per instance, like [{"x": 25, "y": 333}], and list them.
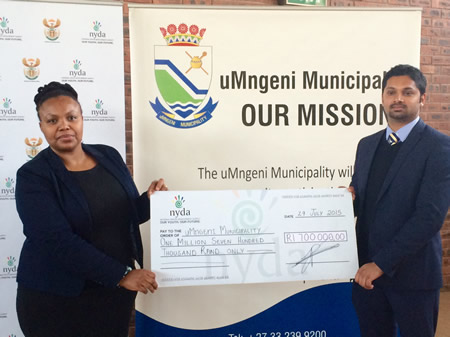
[
  {"x": 77, "y": 73},
  {"x": 7, "y": 189},
  {"x": 6, "y": 109},
  {"x": 183, "y": 75},
  {"x": 51, "y": 31},
  {"x": 97, "y": 35},
  {"x": 77, "y": 69},
  {"x": 99, "y": 113},
  {"x": 7, "y": 32},
  {"x": 9, "y": 269},
  {"x": 8, "y": 113},
  {"x": 6, "y": 103},
  {"x": 99, "y": 109},
  {"x": 97, "y": 31},
  {"x": 4, "y": 29}
]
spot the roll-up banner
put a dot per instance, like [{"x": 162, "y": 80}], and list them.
[
  {"x": 79, "y": 44},
  {"x": 228, "y": 98}
]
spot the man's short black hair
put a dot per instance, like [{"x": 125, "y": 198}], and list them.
[{"x": 406, "y": 70}]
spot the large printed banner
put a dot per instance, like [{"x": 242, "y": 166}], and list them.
[
  {"x": 257, "y": 98},
  {"x": 42, "y": 42}
]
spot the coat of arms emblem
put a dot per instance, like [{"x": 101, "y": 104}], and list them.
[
  {"x": 33, "y": 146},
  {"x": 31, "y": 69},
  {"x": 183, "y": 75},
  {"x": 52, "y": 28}
]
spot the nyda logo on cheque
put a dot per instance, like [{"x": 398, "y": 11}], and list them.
[
  {"x": 183, "y": 75},
  {"x": 180, "y": 211}
]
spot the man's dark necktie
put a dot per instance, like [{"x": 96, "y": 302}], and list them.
[{"x": 393, "y": 139}]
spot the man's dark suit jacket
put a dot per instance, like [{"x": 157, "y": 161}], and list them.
[
  {"x": 56, "y": 256},
  {"x": 404, "y": 237}
]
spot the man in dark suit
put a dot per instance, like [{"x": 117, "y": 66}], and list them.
[{"x": 401, "y": 187}]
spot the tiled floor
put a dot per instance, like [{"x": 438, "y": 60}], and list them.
[{"x": 443, "y": 329}]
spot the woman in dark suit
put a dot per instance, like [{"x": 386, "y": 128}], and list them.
[{"x": 81, "y": 213}]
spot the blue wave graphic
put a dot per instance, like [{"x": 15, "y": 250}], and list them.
[
  {"x": 178, "y": 105},
  {"x": 181, "y": 76},
  {"x": 184, "y": 110},
  {"x": 324, "y": 308}
]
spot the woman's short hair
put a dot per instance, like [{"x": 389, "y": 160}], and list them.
[{"x": 54, "y": 89}]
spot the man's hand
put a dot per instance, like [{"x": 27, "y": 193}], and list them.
[
  {"x": 351, "y": 189},
  {"x": 367, "y": 274}
]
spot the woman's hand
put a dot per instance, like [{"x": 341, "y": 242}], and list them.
[
  {"x": 156, "y": 185},
  {"x": 141, "y": 280}
]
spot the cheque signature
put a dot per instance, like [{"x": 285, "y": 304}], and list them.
[{"x": 316, "y": 249}]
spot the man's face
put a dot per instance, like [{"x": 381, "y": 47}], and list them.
[{"x": 402, "y": 100}]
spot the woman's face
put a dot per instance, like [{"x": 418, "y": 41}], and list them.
[{"x": 61, "y": 123}]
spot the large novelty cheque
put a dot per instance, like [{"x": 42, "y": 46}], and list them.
[{"x": 230, "y": 237}]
